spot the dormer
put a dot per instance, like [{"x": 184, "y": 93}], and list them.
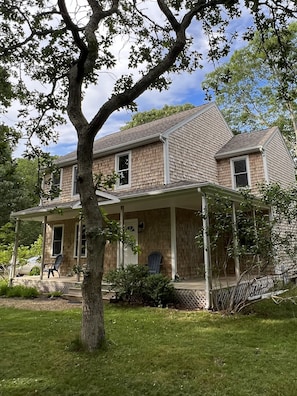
[{"x": 249, "y": 159}]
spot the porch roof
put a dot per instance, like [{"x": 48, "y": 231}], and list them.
[{"x": 185, "y": 194}]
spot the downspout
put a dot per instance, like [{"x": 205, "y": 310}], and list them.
[
  {"x": 173, "y": 242},
  {"x": 206, "y": 250},
  {"x": 164, "y": 140},
  {"x": 235, "y": 242},
  {"x": 15, "y": 253},
  {"x": 121, "y": 244},
  {"x": 265, "y": 167},
  {"x": 43, "y": 246}
]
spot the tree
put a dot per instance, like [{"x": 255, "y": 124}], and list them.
[
  {"x": 10, "y": 198},
  {"x": 155, "y": 114},
  {"x": 257, "y": 87},
  {"x": 66, "y": 48},
  {"x": 245, "y": 234}
]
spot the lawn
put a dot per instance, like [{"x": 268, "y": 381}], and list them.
[{"x": 152, "y": 352}]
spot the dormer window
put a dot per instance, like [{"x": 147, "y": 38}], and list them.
[
  {"x": 240, "y": 172},
  {"x": 123, "y": 169}
]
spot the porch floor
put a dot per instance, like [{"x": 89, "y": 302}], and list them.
[{"x": 185, "y": 284}]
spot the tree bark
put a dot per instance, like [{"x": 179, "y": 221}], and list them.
[{"x": 92, "y": 328}]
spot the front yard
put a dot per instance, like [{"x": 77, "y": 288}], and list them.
[{"x": 151, "y": 351}]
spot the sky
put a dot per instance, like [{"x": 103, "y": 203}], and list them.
[{"x": 185, "y": 88}]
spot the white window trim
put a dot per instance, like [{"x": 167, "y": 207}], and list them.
[
  {"x": 72, "y": 182},
  {"x": 118, "y": 186},
  {"x": 75, "y": 238},
  {"x": 60, "y": 186},
  {"x": 232, "y": 160},
  {"x": 62, "y": 240}
]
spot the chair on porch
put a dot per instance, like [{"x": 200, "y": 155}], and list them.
[
  {"x": 55, "y": 266},
  {"x": 154, "y": 262}
]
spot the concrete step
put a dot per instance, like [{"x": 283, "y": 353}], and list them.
[{"x": 74, "y": 293}]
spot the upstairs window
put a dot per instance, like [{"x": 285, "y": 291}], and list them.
[
  {"x": 83, "y": 251},
  {"x": 240, "y": 172},
  {"x": 57, "y": 240},
  {"x": 74, "y": 181},
  {"x": 56, "y": 183},
  {"x": 123, "y": 169}
]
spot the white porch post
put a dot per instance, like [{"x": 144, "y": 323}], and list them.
[
  {"x": 121, "y": 245},
  {"x": 207, "y": 255},
  {"x": 79, "y": 242},
  {"x": 43, "y": 246},
  {"x": 15, "y": 252},
  {"x": 173, "y": 242},
  {"x": 235, "y": 242}
]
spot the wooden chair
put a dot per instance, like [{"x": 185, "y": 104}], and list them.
[{"x": 154, "y": 262}]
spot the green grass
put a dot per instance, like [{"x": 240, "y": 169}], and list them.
[{"x": 152, "y": 352}]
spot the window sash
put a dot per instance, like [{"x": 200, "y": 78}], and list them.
[
  {"x": 240, "y": 173},
  {"x": 57, "y": 240},
  {"x": 123, "y": 169}
]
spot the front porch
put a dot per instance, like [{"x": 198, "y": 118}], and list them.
[{"x": 191, "y": 293}]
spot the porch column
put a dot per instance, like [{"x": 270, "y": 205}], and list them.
[
  {"x": 235, "y": 242},
  {"x": 121, "y": 244},
  {"x": 173, "y": 242},
  {"x": 207, "y": 255},
  {"x": 15, "y": 252},
  {"x": 43, "y": 246},
  {"x": 79, "y": 242}
]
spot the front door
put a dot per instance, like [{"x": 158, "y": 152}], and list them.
[{"x": 131, "y": 227}]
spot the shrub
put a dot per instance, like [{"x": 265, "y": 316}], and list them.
[
  {"x": 134, "y": 283},
  {"x": 158, "y": 291},
  {"x": 3, "y": 288},
  {"x": 35, "y": 271},
  {"x": 128, "y": 282},
  {"x": 22, "y": 291}
]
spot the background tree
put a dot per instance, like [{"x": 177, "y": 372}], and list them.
[
  {"x": 66, "y": 47},
  {"x": 154, "y": 114},
  {"x": 257, "y": 87}
]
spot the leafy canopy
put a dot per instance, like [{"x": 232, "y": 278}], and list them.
[
  {"x": 257, "y": 87},
  {"x": 155, "y": 114}
]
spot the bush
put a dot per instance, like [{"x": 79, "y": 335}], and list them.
[
  {"x": 158, "y": 291},
  {"x": 134, "y": 283},
  {"x": 128, "y": 282},
  {"x": 22, "y": 291},
  {"x": 35, "y": 271},
  {"x": 3, "y": 288}
]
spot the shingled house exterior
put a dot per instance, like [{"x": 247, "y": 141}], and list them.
[{"x": 167, "y": 168}]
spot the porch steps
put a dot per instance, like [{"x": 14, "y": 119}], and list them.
[{"x": 74, "y": 293}]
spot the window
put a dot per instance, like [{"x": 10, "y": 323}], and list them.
[
  {"x": 240, "y": 171},
  {"x": 56, "y": 183},
  {"x": 74, "y": 181},
  {"x": 57, "y": 240},
  {"x": 123, "y": 169},
  {"x": 83, "y": 251}
]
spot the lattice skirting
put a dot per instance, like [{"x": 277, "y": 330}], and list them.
[
  {"x": 190, "y": 299},
  {"x": 241, "y": 293}
]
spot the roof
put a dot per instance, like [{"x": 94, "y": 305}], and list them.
[
  {"x": 139, "y": 135},
  {"x": 245, "y": 143}
]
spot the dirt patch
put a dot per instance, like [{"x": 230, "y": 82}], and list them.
[{"x": 38, "y": 304}]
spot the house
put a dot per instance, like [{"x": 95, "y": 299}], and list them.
[{"x": 166, "y": 167}]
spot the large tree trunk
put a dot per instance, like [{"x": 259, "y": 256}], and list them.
[{"x": 92, "y": 329}]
